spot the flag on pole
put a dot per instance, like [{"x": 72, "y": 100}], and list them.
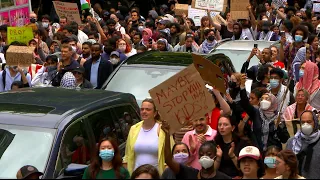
[{"x": 85, "y": 4}]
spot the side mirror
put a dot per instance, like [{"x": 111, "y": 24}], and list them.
[{"x": 73, "y": 171}]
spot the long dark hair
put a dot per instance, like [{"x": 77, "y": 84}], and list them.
[
  {"x": 235, "y": 138},
  {"x": 148, "y": 169},
  {"x": 291, "y": 160},
  {"x": 96, "y": 161}
]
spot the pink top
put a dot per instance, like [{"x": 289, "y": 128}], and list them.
[{"x": 194, "y": 158}]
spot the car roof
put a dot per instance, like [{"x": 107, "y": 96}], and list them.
[
  {"x": 46, "y": 107},
  {"x": 244, "y": 45}
]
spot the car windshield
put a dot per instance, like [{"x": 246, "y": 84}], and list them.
[
  {"x": 238, "y": 57},
  {"x": 138, "y": 80},
  {"x": 20, "y": 146}
]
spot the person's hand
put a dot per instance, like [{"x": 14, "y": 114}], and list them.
[
  {"x": 253, "y": 52},
  {"x": 165, "y": 127},
  {"x": 45, "y": 64},
  {"x": 59, "y": 66},
  {"x": 273, "y": 6},
  {"x": 231, "y": 151},
  {"x": 283, "y": 40},
  {"x": 201, "y": 138},
  {"x": 243, "y": 81},
  {"x": 184, "y": 15},
  {"x": 215, "y": 91},
  {"x": 229, "y": 98},
  {"x": 219, "y": 152},
  {"x": 20, "y": 70},
  {"x": 249, "y": 8},
  {"x": 192, "y": 144}
]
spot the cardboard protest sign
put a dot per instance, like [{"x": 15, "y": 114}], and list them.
[
  {"x": 182, "y": 98},
  {"x": 210, "y": 73},
  {"x": 20, "y": 55},
  {"x": 20, "y": 34},
  {"x": 181, "y": 9},
  {"x": 69, "y": 10},
  {"x": 293, "y": 126},
  {"x": 214, "y": 5},
  {"x": 238, "y": 9}
]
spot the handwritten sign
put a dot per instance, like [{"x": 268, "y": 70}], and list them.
[
  {"x": 20, "y": 55},
  {"x": 293, "y": 126},
  {"x": 316, "y": 7},
  {"x": 214, "y": 5},
  {"x": 69, "y": 10},
  {"x": 182, "y": 98},
  {"x": 181, "y": 9},
  {"x": 279, "y": 3},
  {"x": 197, "y": 14},
  {"x": 20, "y": 34}
]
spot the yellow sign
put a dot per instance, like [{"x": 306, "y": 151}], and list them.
[{"x": 20, "y": 34}]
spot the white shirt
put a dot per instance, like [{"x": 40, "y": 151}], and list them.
[
  {"x": 82, "y": 37},
  {"x": 10, "y": 80}
]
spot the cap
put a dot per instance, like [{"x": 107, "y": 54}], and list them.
[
  {"x": 249, "y": 151},
  {"x": 26, "y": 171},
  {"x": 164, "y": 21},
  {"x": 79, "y": 69},
  {"x": 115, "y": 53}
]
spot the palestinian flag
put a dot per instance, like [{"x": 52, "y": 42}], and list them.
[{"x": 85, "y": 4}]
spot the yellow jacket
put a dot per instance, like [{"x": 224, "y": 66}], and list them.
[{"x": 130, "y": 155}]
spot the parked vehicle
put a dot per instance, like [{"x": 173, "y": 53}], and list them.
[{"x": 49, "y": 127}]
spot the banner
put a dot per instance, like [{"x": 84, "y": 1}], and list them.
[
  {"x": 69, "y": 10},
  {"x": 19, "y": 17},
  {"x": 20, "y": 55},
  {"x": 214, "y": 5},
  {"x": 20, "y": 34},
  {"x": 4, "y": 18},
  {"x": 182, "y": 98}
]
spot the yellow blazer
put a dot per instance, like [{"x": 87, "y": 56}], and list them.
[{"x": 130, "y": 155}]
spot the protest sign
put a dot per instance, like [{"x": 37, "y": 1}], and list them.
[
  {"x": 316, "y": 7},
  {"x": 279, "y": 3},
  {"x": 181, "y": 9},
  {"x": 19, "y": 17},
  {"x": 19, "y": 55},
  {"x": 214, "y": 5},
  {"x": 4, "y": 18},
  {"x": 293, "y": 126},
  {"x": 238, "y": 9},
  {"x": 182, "y": 98},
  {"x": 210, "y": 73},
  {"x": 69, "y": 10},
  {"x": 20, "y": 34},
  {"x": 197, "y": 14}
]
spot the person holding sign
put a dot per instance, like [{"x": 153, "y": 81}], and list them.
[{"x": 146, "y": 140}]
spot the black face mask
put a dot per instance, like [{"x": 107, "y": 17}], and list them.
[
  {"x": 188, "y": 49},
  {"x": 265, "y": 30},
  {"x": 211, "y": 38},
  {"x": 232, "y": 84},
  {"x": 33, "y": 20}
]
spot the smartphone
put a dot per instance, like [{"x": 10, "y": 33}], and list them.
[
  {"x": 150, "y": 40},
  {"x": 255, "y": 45},
  {"x": 282, "y": 33}
]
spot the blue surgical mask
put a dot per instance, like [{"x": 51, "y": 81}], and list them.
[
  {"x": 274, "y": 83},
  {"x": 301, "y": 73},
  {"x": 106, "y": 155},
  {"x": 270, "y": 162},
  {"x": 298, "y": 38}
]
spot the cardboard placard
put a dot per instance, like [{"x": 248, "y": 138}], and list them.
[
  {"x": 182, "y": 98},
  {"x": 293, "y": 126},
  {"x": 213, "y": 5},
  {"x": 20, "y": 34},
  {"x": 20, "y": 55},
  {"x": 210, "y": 73},
  {"x": 69, "y": 10},
  {"x": 181, "y": 9},
  {"x": 239, "y": 5},
  {"x": 239, "y": 15}
]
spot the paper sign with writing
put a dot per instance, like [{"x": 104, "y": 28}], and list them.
[
  {"x": 210, "y": 73},
  {"x": 279, "y": 3},
  {"x": 69, "y": 10},
  {"x": 181, "y": 9},
  {"x": 293, "y": 126},
  {"x": 20, "y": 55},
  {"x": 182, "y": 98},
  {"x": 214, "y": 5},
  {"x": 197, "y": 14},
  {"x": 20, "y": 34},
  {"x": 316, "y": 7}
]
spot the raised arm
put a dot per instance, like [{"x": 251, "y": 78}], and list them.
[
  {"x": 223, "y": 104},
  {"x": 252, "y": 18},
  {"x": 100, "y": 30}
]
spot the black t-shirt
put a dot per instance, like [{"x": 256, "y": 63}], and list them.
[
  {"x": 225, "y": 33},
  {"x": 187, "y": 172}
]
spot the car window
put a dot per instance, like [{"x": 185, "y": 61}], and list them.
[
  {"x": 126, "y": 117},
  {"x": 75, "y": 146},
  {"x": 103, "y": 125}
]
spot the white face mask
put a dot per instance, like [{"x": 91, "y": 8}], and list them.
[
  {"x": 307, "y": 129},
  {"x": 74, "y": 49},
  {"x": 264, "y": 104},
  {"x": 114, "y": 61},
  {"x": 206, "y": 162},
  {"x": 45, "y": 24},
  {"x": 122, "y": 48}
]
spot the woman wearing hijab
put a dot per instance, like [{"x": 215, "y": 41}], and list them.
[
  {"x": 147, "y": 40},
  {"x": 303, "y": 54},
  {"x": 264, "y": 119},
  {"x": 305, "y": 144},
  {"x": 163, "y": 45},
  {"x": 309, "y": 81}
]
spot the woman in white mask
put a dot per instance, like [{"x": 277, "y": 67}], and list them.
[
  {"x": 264, "y": 119},
  {"x": 126, "y": 48},
  {"x": 207, "y": 157}
]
